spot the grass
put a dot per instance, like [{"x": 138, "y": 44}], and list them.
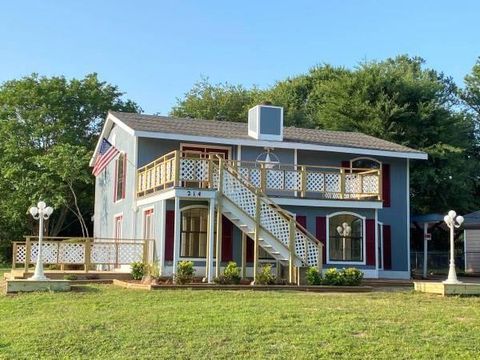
[{"x": 106, "y": 322}]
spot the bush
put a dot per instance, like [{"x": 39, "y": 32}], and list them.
[
  {"x": 232, "y": 273},
  {"x": 184, "y": 274},
  {"x": 138, "y": 270},
  {"x": 265, "y": 276},
  {"x": 313, "y": 276},
  {"x": 352, "y": 276},
  {"x": 70, "y": 277},
  {"x": 333, "y": 277},
  {"x": 346, "y": 277}
]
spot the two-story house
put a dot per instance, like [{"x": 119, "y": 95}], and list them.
[{"x": 217, "y": 191}]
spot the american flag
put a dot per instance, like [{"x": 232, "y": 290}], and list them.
[{"x": 105, "y": 155}]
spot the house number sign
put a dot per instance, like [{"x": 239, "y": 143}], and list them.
[{"x": 194, "y": 193}]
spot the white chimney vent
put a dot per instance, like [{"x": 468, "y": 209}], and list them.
[{"x": 265, "y": 122}]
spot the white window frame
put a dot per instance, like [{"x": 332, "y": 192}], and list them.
[
  {"x": 115, "y": 217},
  {"x": 115, "y": 177},
  {"x": 184, "y": 258},
  {"x": 144, "y": 218},
  {"x": 364, "y": 240},
  {"x": 365, "y": 158}
]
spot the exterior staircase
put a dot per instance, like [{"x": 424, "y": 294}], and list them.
[{"x": 270, "y": 226}]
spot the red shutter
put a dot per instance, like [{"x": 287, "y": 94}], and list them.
[
  {"x": 370, "y": 241},
  {"x": 302, "y": 220},
  {"x": 169, "y": 234},
  {"x": 387, "y": 247},
  {"x": 227, "y": 233},
  {"x": 249, "y": 250},
  {"x": 386, "y": 185},
  {"x": 322, "y": 234}
]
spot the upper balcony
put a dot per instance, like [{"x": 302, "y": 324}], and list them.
[{"x": 195, "y": 170}]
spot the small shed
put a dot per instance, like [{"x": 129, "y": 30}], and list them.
[{"x": 471, "y": 240}]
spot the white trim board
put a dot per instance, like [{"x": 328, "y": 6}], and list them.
[
  {"x": 181, "y": 193},
  {"x": 350, "y": 204}
]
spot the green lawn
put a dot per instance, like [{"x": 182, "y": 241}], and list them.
[{"x": 107, "y": 322}]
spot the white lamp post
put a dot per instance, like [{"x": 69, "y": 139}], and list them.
[
  {"x": 453, "y": 221},
  {"x": 40, "y": 212}
]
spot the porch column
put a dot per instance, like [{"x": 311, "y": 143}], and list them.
[
  {"x": 218, "y": 251},
  {"x": 244, "y": 255},
  {"x": 161, "y": 236},
  {"x": 211, "y": 239},
  {"x": 176, "y": 238}
]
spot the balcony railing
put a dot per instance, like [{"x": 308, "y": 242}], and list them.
[{"x": 194, "y": 170}]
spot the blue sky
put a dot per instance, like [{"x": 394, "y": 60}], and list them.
[{"x": 156, "y": 50}]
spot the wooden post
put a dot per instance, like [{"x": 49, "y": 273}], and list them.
[
  {"x": 210, "y": 171},
  {"x": 303, "y": 181},
  {"x": 244, "y": 255},
  {"x": 14, "y": 255},
  {"x": 263, "y": 178},
  {"x": 320, "y": 257},
  {"x": 210, "y": 240},
  {"x": 380, "y": 182},
  {"x": 218, "y": 250},
  {"x": 176, "y": 180},
  {"x": 28, "y": 253},
  {"x": 342, "y": 183},
  {"x": 291, "y": 247},
  {"x": 88, "y": 251},
  {"x": 258, "y": 208},
  {"x": 145, "y": 251}
]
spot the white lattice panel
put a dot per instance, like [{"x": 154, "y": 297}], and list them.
[
  {"x": 103, "y": 253},
  {"x": 71, "y": 253},
  {"x": 49, "y": 252},
  {"x": 255, "y": 177},
  {"x": 315, "y": 182},
  {"x": 293, "y": 180},
  {"x": 129, "y": 253},
  {"x": 239, "y": 193},
  {"x": 194, "y": 170},
  {"x": 370, "y": 184},
  {"x": 332, "y": 183},
  {"x": 353, "y": 184},
  {"x": 275, "y": 180},
  {"x": 276, "y": 224},
  {"x": 21, "y": 254}
]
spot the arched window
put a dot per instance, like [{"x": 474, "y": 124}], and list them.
[
  {"x": 194, "y": 228},
  {"x": 365, "y": 163},
  {"x": 346, "y": 237}
]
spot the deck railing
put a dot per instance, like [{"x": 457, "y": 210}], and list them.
[
  {"x": 86, "y": 252},
  {"x": 187, "y": 169}
]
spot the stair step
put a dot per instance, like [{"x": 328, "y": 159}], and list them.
[
  {"x": 275, "y": 253},
  {"x": 266, "y": 246}
]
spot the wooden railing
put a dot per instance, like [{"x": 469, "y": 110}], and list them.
[
  {"x": 194, "y": 170},
  {"x": 86, "y": 252}
]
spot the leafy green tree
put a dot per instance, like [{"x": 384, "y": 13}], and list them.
[
  {"x": 397, "y": 99},
  {"x": 48, "y": 129}
]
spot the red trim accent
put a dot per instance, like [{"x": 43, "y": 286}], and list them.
[
  {"x": 387, "y": 247},
  {"x": 321, "y": 223},
  {"x": 227, "y": 239},
  {"x": 249, "y": 250},
  {"x": 370, "y": 241},
  {"x": 169, "y": 234},
  {"x": 386, "y": 185}
]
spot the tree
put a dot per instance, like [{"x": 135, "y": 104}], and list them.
[
  {"x": 48, "y": 129},
  {"x": 397, "y": 99}
]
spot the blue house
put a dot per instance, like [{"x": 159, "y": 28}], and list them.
[{"x": 254, "y": 193}]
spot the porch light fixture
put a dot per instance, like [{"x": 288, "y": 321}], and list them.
[
  {"x": 453, "y": 222},
  {"x": 268, "y": 158},
  {"x": 40, "y": 212}
]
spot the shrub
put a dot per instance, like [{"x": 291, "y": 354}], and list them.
[
  {"x": 153, "y": 270},
  {"x": 313, "y": 276},
  {"x": 265, "y": 276},
  {"x": 352, "y": 276},
  {"x": 70, "y": 277},
  {"x": 138, "y": 270},
  {"x": 347, "y": 277},
  {"x": 333, "y": 277},
  {"x": 232, "y": 273},
  {"x": 184, "y": 274},
  {"x": 221, "y": 280}
]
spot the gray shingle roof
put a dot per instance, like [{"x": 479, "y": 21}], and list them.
[{"x": 236, "y": 130}]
